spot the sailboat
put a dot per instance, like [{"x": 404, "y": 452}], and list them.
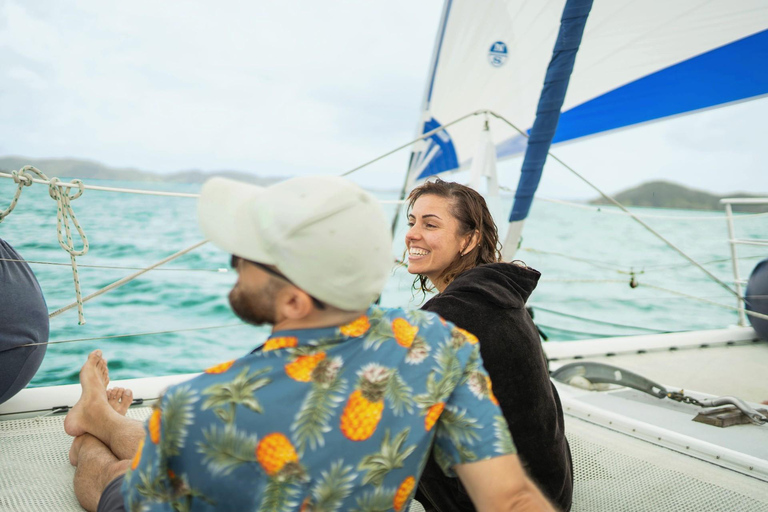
[{"x": 630, "y": 402}]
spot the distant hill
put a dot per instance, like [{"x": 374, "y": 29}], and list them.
[
  {"x": 665, "y": 194},
  {"x": 87, "y": 169}
]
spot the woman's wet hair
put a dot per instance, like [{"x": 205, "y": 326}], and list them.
[{"x": 469, "y": 208}]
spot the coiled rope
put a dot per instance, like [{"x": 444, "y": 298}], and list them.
[
  {"x": 59, "y": 192},
  {"x": 21, "y": 183}
]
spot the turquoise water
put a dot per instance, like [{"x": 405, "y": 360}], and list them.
[{"x": 127, "y": 230}]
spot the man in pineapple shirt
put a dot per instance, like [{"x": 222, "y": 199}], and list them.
[{"x": 337, "y": 410}]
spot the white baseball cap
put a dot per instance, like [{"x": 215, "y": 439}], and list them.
[{"x": 324, "y": 233}]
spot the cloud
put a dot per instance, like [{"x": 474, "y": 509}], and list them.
[{"x": 290, "y": 88}]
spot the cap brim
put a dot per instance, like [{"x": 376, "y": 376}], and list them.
[{"x": 225, "y": 212}]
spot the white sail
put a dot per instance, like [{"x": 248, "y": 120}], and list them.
[{"x": 639, "y": 60}]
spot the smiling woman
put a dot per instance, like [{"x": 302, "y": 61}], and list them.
[
  {"x": 451, "y": 230},
  {"x": 453, "y": 246}
]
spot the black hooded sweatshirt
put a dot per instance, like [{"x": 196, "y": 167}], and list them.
[{"x": 489, "y": 301}]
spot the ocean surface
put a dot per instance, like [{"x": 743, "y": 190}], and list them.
[{"x": 177, "y": 320}]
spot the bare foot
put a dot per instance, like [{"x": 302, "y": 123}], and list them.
[
  {"x": 74, "y": 451},
  {"x": 94, "y": 377},
  {"x": 120, "y": 399}
]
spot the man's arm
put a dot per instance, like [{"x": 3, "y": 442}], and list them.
[{"x": 500, "y": 484}]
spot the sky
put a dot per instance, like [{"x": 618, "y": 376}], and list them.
[{"x": 293, "y": 87}]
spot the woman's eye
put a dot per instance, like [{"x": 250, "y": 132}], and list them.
[
  {"x": 431, "y": 226},
  {"x": 410, "y": 224}
]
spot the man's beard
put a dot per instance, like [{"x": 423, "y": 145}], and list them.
[{"x": 256, "y": 309}]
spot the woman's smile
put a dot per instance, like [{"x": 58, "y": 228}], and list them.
[{"x": 433, "y": 239}]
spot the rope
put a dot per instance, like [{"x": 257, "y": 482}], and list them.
[
  {"x": 594, "y": 321},
  {"x": 64, "y": 215},
  {"x": 21, "y": 181},
  {"x": 28, "y": 181},
  {"x": 131, "y": 335},
  {"x": 131, "y": 277},
  {"x": 110, "y": 267},
  {"x": 595, "y": 334}
]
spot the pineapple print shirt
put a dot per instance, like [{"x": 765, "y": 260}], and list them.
[{"x": 340, "y": 418}]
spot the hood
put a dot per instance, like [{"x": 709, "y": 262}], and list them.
[{"x": 506, "y": 285}]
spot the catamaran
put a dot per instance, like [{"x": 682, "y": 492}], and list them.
[{"x": 656, "y": 422}]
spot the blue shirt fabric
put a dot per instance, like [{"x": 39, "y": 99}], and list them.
[{"x": 338, "y": 418}]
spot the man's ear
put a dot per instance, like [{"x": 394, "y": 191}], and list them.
[
  {"x": 472, "y": 242},
  {"x": 293, "y": 303}
]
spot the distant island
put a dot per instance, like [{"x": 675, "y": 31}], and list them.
[
  {"x": 665, "y": 194},
  {"x": 87, "y": 169}
]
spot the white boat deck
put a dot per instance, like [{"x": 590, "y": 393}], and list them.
[
  {"x": 612, "y": 472},
  {"x": 631, "y": 451},
  {"x": 725, "y": 362}
]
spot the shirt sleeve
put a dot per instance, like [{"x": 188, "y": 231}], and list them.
[{"x": 471, "y": 427}]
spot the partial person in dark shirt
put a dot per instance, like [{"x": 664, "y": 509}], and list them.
[{"x": 453, "y": 248}]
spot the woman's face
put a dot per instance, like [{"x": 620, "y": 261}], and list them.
[{"x": 433, "y": 240}]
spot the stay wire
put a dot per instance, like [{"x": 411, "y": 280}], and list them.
[
  {"x": 569, "y": 168},
  {"x": 115, "y": 336},
  {"x": 112, "y": 267},
  {"x": 625, "y": 210},
  {"x": 131, "y": 277},
  {"x": 594, "y": 321}
]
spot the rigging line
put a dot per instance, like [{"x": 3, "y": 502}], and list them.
[
  {"x": 106, "y": 189},
  {"x": 595, "y": 321},
  {"x": 144, "y": 192},
  {"x": 637, "y": 219},
  {"x": 555, "y": 280},
  {"x": 607, "y": 266},
  {"x": 114, "y": 336},
  {"x": 602, "y": 209},
  {"x": 710, "y": 302},
  {"x": 128, "y": 278},
  {"x": 597, "y": 334},
  {"x": 598, "y": 264},
  {"x": 219, "y": 270},
  {"x": 414, "y": 141},
  {"x": 633, "y": 300},
  {"x": 721, "y": 260}
]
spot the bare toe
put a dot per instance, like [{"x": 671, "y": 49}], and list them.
[
  {"x": 94, "y": 393},
  {"x": 120, "y": 399}
]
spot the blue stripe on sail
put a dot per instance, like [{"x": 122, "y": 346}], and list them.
[
  {"x": 445, "y": 158},
  {"x": 730, "y": 73},
  {"x": 551, "y": 101},
  {"x": 733, "y": 72}
]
